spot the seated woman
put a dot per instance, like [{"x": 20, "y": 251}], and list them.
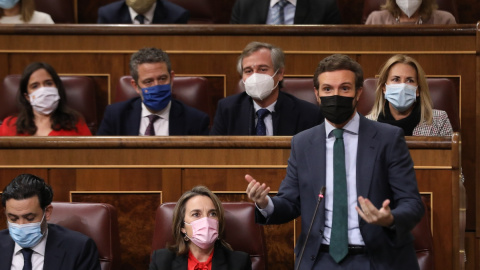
[
  {"x": 198, "y": 227},
  {"x": 410, "y": 12},
  {"x": 22, "y": 11},
  {"x": 43, "y": 107},
  {"x": 402, "y": 99}
]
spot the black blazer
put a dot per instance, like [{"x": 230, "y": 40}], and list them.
[
  {"x": 235, "y": 115},
  {"x": 306, "y": 12},
  {"x": 165, "y": 12},
  {"x": 123, "y": 119},
  {"x": 223, "y": 259},
  {"x": 65, "y": 249}
]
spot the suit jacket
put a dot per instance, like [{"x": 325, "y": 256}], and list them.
[
  {"x": 235, "y": 115},
  {"x": 65, "y": 249},
  {"x": 384, "y": 171},
  {"x": 123, "y": 119},
  {"x": 165, "y": 12},
  {"x": 223, "y": 259},
  {"x": 306, "y": 12}
]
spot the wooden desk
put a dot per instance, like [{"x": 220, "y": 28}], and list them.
[{"x": 137, "y": 173}]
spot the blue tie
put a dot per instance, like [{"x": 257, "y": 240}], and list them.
[
  {"x": 140, "y": 18},
  {"x": 27, "y": 258},
  {"x": 278, "y": 14},
  {"x": 339, "y": 235},
  {"x": 261, "y": 128}
]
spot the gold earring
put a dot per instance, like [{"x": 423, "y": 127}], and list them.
[{"x": 185, "y": 238}]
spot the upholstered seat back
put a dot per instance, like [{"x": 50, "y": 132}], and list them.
[
  {"x": 96, "y": 220},
  {"x": 442, "y": 92},
  {"x": 80, "y": 91},
  {"x": 424, "y": 241},
  {"x": 61, "y": 11},
  {"x": 241, "y": 231},
  {"x": 193, "y": 91}
]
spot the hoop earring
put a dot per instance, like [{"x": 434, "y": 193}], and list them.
[{"x": 185, "y": 238}]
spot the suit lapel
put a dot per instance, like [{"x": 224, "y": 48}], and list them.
[
  {"x": 125, "y": 15},
  {"x": 366, "y": 156},
  {"x": 285, "y": 114},
  {"x": 180, "y": 262},
  {"x": 159, "y": 13},
  {"x": 6, "y": 250},
  {"x": 261, "y": 8},
  {"x": 54, "y": 254},
  {"x": 316, "y": 159},
  {"x": 133, "y": 117},
  {"x": 246, "y": 119},
  {"x": 219, "y": 262},
  {"x": 176, "y": 123},
  {"x": 301, "y": 11}
]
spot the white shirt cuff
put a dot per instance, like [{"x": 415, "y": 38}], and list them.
[{"x": 268, "y": 210}]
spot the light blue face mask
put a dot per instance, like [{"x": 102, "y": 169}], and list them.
[
  {"x": 401, "y": 95},
  {"x": 157, "y": 97},
  {"x": 8, "y": 4},
  {"x": 26, "y": 235}
]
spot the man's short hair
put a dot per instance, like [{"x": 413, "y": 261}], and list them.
[
  {"x": 278, "y": 57},
  {"x": 336, "y": 62},
  {"x": 148, "y": 55},
  {"x": 26, "y": 186}
]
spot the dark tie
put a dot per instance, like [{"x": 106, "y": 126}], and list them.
[
  {"x": 150, "y": 131},
  {"x": 278, "y": 16},
  {"x": 140, "y": 18},
  {"x": 339, "y": 234},
  {"x": 27, "y": 258},
  {"x": 261, "y": 128}
]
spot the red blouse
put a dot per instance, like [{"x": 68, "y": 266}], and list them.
[
  {"x": 194, "y": 264},
  {"x": 9, "y": 128}
]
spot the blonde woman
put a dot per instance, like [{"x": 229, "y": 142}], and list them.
[
  {"x": 402, "y": 99},
  {"x": 410, "y": 12},
  {"x": 22, "y": 11}
]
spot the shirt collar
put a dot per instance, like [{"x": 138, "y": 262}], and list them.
[
  {"x": 271, "y": 107},
  {"x": 148, "y": 15},
  {"x": 273, "y": 2},
  {"x": 351, "y": 127},
  {"x": 39, "y": 248},
  {"x": 164, "y": 114}
]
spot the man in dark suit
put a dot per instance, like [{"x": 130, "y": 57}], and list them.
[
  {"x": 154, "y": 112},
  {"x": 142, "y": 12},
  {"x": 31, "y": 243},
  {"x": 304, "y": 12},
  {"x": 262, "y": 68},
  {"x": 380, "y": 199}
]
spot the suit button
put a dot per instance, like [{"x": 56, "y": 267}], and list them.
[{"x": 312, "y": 258}]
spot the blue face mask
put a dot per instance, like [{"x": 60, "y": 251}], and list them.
[
  {"x": 26, "y": 235},
  {"x": 401, "y": 95},
  {"x": 8, "y": 4},
  {"x": 157, "y": 97}
]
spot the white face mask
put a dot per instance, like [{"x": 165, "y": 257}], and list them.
[
  {"x": 401, "y": 95},
  {"x": 409, "y": 6},
  {"x": 44, "y": 100},
  {"x": 259, "y": 86}
]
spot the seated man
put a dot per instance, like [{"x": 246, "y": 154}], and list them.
[
  {"x": 154, "y": 112},
  {"x": 142, "y": 12},
  {"x": 31, "y": 243},
  {"x": 262, "y": 109},
  {"x": 285, "y": 12}
]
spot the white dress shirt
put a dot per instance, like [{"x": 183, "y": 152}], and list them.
[
  {"x": 268, "y": 119},
  {"x": 160, "y": 126},
  {"x": 38, "y": 255},
  {"x": 148, "y": 15},
  {"x": 288, "y": 11}
]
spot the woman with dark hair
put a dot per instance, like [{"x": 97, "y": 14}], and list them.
[
  {"x": 198, "y": 229},
  {"x": 43, "y": 107},
  {"x": 22, "y": 11},
  {"x": 410, "y": 12}
]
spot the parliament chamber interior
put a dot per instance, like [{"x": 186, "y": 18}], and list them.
[{"x": 136, "y": 175}]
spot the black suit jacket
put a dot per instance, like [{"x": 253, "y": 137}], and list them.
[
  {"x": 235, "y": 115},
  {"x": 123, "y": 119},
  {"x": 384, "y": 170},
  {"x": 65, "y": 249},
  {"x": 306, "y": 12},
  {"x": 165, "y": 12},
  {"x": 223, "y": 259}
]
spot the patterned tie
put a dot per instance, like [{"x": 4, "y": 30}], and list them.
[
  {"x": 150, "y": 131},
  {"x": 27, "y": 258},
  {"x": 278, "y": 13},
  {"x": 339, "y": 234},
  {"x": 140, "y": 18},
  {"x": 261, "y": 128}
]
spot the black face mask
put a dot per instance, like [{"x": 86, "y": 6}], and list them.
[{"x": 337, "y": 109}]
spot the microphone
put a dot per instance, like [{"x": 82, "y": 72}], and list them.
[{"x": 320, "y": 198}]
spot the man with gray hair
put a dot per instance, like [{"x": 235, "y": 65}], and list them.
[
  {"x": 263, "y": 109},
  {"x": 154, "y": 112}
]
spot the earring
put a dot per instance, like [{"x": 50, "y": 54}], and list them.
[{"x": 185, "y": 238}]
